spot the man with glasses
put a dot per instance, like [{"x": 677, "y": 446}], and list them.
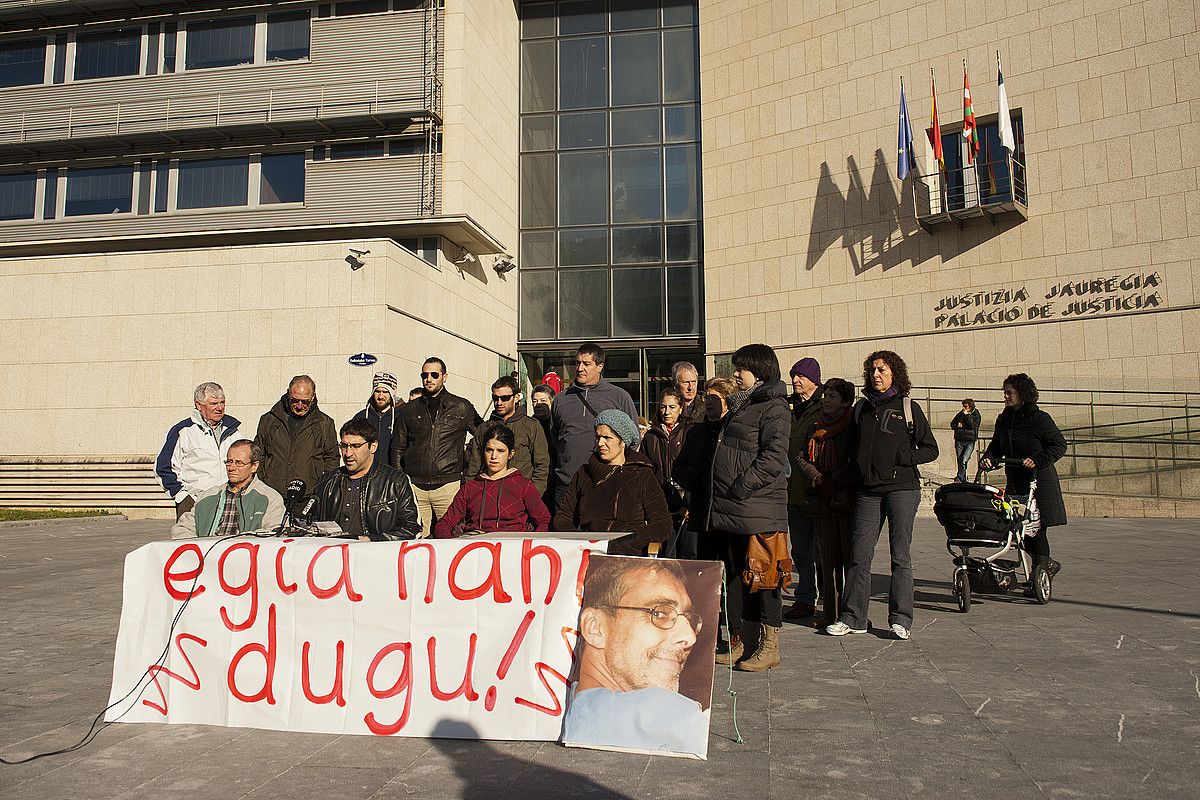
[
  {"x": 366, "y": 498},
  {"x": 532, "y": 455},
  {"x": 573, "y": 418},
  {"x": 429, "y": 442},
  {"x": 190, "y": 461},
  {"x": 297, "y": 438},
  {"x": 244, "y": 503},
  {"x": 637, "y": 628}
]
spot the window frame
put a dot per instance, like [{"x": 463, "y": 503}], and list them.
[
  {"x": 261, "y": 31},
  {"x": 48, "y": 51},
  {"x": 72, "y": 50}
]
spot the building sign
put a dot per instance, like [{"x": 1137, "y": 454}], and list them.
[
  {"x": 468, "y": 638},
  {"x": 363, "y": 359},
  {"x": 1086, "y": 297}
]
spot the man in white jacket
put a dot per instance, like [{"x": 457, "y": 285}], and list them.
[{"x": 192, "y": 458}]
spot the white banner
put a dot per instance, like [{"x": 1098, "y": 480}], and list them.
[{"x": 470, "y": 636}]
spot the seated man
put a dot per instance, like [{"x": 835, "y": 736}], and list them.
[
  {"x": 242, "y": 504},
  {"x": 637, "y": 628},
  {"x": 368, "y": 499}
]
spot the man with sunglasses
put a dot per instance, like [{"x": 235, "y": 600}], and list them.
[
  {"x": 532, "y": 455},
  {"x": 429, "y": 442},
  {"x": 637, "y": 628},
  {"x": 298, "y": 440},
  {"x": 242, "y": 504}
]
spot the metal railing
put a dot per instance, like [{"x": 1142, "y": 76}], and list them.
[{"x": 992, "y": 186}]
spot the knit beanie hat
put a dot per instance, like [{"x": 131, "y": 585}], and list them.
[
  {"x": 620, "y": 424},
  {"x": 386, "y": 380},
  {"x": 809, "y": 368}
]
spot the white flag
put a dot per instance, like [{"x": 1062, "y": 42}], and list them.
[{"x": 1005, "y": 122}]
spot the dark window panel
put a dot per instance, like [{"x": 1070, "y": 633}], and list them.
[
  {"x": 325, "y": 11},
  {"x": 582, "y": 189},
  {"x": 683, "y": 301},
  {"x": 637, "y": 307},
  {"x": 628, "y": 15},
  {"x": 356, "y": 7},
  {"x": 145, "y": 173},
  {"x": 18, "y": 195},
  {"x": 108, "y": 54},
  {"x": 584, "y": 16},
  {"x": 50, "y": 206},
  {"x": 538, "y": 193},
  {"x": 319, "y": 152},
  {"x": 355, "y": 150},
  {"x": 429, "y": 249},
  {"x": 99, "y": 190},
  {"x": 583, "y": 73},
  {"x": 23, "y": 63},
  {"x": 537, "y": 250},
  {"x": 582, "y": 303},
  {"x": 681, "y": 69},
  {"x": 637, "y": 193},
  {"x": 582, "y": 129},
  {"x": 583, "y": 247},
  {"x": 407, "y": 146},
  {"x": 682, "y": 123},
  {"x": 220, "y": 43},
  {"x": 282, "y": 178},
  {"x": 636, "y": 126},
  {"x": 537, "y": 133},
  {"x": 537, "y": 305},
  {"x": 640, "y": 245},
  {"x": 635, "y": 68},
  {"x": 213, "y": 183},
  {"x": 169, "y": 41},
  {"x": 537, "y": 20},
  {"x": 288, "y": 36},
  {"x": 683, "y": 242},
  {"x": 60, "y": 59},
  {"x": 683, "y": 178},
  {"x": 537, "y": 76},
  {"x": 152, "y": 43},
  {"x": 680, "y": 12},
  {"x": 162, "y": 178}
]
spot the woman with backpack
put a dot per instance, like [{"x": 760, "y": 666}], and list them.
[{"x": 894, "y": 437}]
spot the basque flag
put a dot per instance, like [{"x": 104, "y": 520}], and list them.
[
  {"x": 906, "y": 157},
  {"x": 970, "y": 132}
]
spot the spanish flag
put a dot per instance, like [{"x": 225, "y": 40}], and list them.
[{"x": 935, "y": 132}]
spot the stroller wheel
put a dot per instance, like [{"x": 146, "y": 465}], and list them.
[
  {"x": 1040, "y": 579},
  {"x": 962, "y": 590}
]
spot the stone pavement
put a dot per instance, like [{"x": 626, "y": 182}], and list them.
[{"x": 1096, "y": 695}]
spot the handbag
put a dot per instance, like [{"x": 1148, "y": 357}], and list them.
[{"x": 768, "y": 565}]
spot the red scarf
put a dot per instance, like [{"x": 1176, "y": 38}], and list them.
[{"x": 822, "y": 451}]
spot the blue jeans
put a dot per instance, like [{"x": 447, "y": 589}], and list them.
[
  {"x": 898, "y": 509},
  {"x": 800, "y": 529},
  {"x": 962, "y": 453}
]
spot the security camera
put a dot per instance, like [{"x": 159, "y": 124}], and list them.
[
  {"x": 359, "y": 253},
  {"x": 504, "y": 263},
  {"x": 355, "y": 262}
]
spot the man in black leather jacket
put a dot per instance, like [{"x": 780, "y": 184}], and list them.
[
  {"x": 365, "y": 497},
  {"x": 429, "y": 440}
]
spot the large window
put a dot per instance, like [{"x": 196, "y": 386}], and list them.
[
  {"x": 99, "y": 190},
  {"x": 282, "y": 178},
  {"x": 232, "y": 41},
  {"x": 18, "y": 195},
  {"x": 288, "y": 35},
  {"x": 108, "y": 54},
  {"x": 220, "y": 43},
  {"x": 213, "y": 183},
  {"x": 23, "y": 63},
  {"x": 610, "y": 242}
]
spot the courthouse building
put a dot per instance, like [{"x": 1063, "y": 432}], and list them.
[{"x": 240, "y": 192}]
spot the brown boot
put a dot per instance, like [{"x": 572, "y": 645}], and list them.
[
  {"x": 733, "y": 651},
  {"x": 767, "y": 654}
]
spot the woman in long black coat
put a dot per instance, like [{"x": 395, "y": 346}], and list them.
[{"x": 1025, "y": 431}]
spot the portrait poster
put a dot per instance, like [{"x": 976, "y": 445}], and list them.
[{"x": 643, "y": 674}]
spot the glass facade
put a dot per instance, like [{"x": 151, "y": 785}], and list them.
[{"x": 610, "y": 210}]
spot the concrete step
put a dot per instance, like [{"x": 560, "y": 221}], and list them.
[{"x": 119, "y": 483}]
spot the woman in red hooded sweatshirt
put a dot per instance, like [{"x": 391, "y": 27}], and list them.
[{"x": 497, "y": 499}]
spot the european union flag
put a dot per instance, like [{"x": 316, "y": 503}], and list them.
[{"x": 906, "y": 158}]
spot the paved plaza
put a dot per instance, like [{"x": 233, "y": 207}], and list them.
[{"x": 1096, "y": 695}]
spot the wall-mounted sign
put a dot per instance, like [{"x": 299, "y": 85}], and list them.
[{"x": 363, "y": 359}]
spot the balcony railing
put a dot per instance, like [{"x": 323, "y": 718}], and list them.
[{"x": 988, "y": 189}]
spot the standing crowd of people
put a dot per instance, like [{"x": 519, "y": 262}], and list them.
[{"x": 737, "y": 469}]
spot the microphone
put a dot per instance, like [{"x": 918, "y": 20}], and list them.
[
  {"x": 308, "y": 507},
  {"x": 295, "y": 490}
]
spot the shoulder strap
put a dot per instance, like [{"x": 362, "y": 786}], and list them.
[
  {"x": 908, "y": 415},
  {"x": 583, "y": 399}
]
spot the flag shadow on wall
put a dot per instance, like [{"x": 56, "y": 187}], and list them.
[{"x": 877, "y": 226}]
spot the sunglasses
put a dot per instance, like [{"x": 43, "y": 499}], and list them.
[
  {"x": 501, "y": 398},
  {"x": 431, "y": 374}
]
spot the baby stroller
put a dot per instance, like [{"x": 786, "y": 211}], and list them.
[{"x": 978, "y": 515}]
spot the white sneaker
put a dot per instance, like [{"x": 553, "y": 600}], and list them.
[
  {"x": 840, "y": 628},
  {"x": 899, "y": 631}
]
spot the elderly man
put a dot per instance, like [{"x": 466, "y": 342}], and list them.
[
  {"x": 687, "y": 381},
  {"x": 806, "y": 410},
  {"x": 573, "y": 418},
  {"x": 637, "y": 628},
  {"x": 242, "y": 504},
  {"x": 190, "y": 461},
  {"x": 368, "y": 499},
  {"x": 297, "y": 438},
  {"x": 431, "y": 432},
  {"x": 532, "y": 455}
]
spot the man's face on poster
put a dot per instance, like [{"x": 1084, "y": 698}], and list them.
[{"x": 645, "y": 639}]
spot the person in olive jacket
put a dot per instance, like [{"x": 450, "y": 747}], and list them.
[
  {"x": 366, "y": 498},
  {"x": 891, "y": 444},
  {"x": 748, "y": 498},
  {"x": 298, "y": 440},
  {"x": 966, "y": 432},
  {"x": 616, "y": 491},
  {"x": 1025, "y": 431}
]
